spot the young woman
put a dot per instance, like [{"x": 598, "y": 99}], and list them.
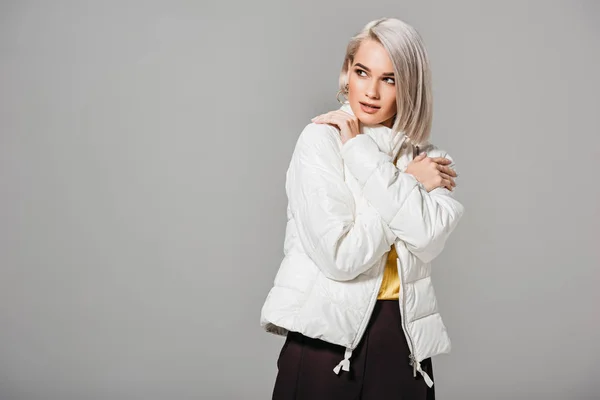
[{"x": 370, "y": 205}]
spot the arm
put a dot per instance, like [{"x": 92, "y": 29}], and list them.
[
  {"x": 423, "y": 220},
  {"x": 343, "y": 242}
]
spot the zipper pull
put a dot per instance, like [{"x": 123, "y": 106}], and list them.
[
  {"x": 417, "y": 367},
  {"x": 413, "y": 362}
]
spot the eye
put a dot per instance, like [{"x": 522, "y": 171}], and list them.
[
  {"x": 358, "y": 72},
  {"x": 393, "y": 81}
]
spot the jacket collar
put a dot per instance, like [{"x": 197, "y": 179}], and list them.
[{"x": 386, "y": 140}]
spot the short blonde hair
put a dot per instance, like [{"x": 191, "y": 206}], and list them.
[{"x": 412, "y": 74}]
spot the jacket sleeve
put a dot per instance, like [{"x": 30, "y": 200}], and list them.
[
  {"x": 342, "y": 241},
  {"x": 423, "y": 220}
]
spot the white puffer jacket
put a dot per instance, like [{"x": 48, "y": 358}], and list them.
[{"x": 347, "y": 204}]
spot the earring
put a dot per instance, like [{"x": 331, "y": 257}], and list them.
[{"x": 344, "y": 92}]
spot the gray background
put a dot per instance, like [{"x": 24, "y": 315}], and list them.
[{"x": 143, "y": 152}]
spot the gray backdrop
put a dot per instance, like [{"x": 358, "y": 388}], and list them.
[{"x": 143, "y": 150}]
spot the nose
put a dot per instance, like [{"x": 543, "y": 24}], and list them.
[{"x": 372, "y": 91}]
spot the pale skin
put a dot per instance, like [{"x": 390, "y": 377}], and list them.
[{"x": 371, "y": 80}]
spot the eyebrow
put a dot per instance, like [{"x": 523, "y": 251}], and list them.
[{"x": 367, "y": 68}]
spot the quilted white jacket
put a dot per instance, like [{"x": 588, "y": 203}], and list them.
[{"x": 347, "y": 204}]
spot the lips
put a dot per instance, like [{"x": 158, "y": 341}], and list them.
[
  {"x": 368, "y": 109},
  {"x": 369, "y": 105}
]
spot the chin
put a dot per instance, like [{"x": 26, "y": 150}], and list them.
[{"x": 369, "y": 119}]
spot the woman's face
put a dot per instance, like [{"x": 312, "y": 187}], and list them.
[{"x": 371, "y": 81}]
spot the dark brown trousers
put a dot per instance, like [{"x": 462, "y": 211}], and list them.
[{"x": 379, "y": 366}]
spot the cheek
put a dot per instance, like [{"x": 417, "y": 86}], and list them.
[
  {"x": 354, "y": 93},
  {"x": 354, "y": 87},
  {"x": 391, "y": 108},
  {"x": 390, "y": 104}
]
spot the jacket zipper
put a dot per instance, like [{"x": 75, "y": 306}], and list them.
[
  {"x": 402, "y": 305},
  {"x": 376, "y": 292},
  {"x": 365, "y": 320}
]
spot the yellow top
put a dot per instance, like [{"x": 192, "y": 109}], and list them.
[{"x": 390, "y": 286}]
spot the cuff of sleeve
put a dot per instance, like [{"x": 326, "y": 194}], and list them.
[{"x": 362, "y": 156}]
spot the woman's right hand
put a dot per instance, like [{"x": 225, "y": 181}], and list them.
[{"x": 432, "y": 172}]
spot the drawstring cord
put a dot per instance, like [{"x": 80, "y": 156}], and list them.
[
  {"x": 345, "y": 363},
  {"x": 417, "y": 367}
]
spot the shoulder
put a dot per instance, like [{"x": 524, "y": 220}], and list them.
[
  {"x": 321, "y": 138},
  {"x": 317, "y": 153},
  {"x": 318, "y": 147},
  {"x": 319, "y": 133}
]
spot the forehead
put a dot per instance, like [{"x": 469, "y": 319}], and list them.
[{"x": 373, "y": 55}]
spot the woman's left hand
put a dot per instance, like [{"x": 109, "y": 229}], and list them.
[{"x": 346, "y": 123}]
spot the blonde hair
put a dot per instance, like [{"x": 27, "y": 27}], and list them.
[{"x": 405, "y": 47}]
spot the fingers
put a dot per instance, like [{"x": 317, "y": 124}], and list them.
[
  {"x": 327, "y": 119},
  {"x": 331, "y": 119},
  {"x": 337, "y": 117},
  {"x": 322, "y": 118},
  {"x": 441, "y": 160},
  {"x": 448, "y": 178},
  {"x": 448, "y": 185},
  {"x": 446, "y": 170}
]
